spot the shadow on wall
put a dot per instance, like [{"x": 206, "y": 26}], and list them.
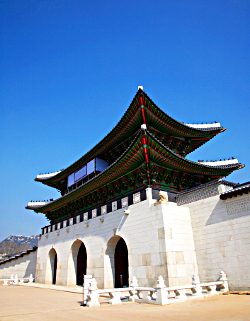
[
  {"x": 23, "y": 266},
  {"x": 31, "y": 269},
  {"x": 229, "y": 210}
]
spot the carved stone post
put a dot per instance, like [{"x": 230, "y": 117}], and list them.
[
  {"x": 133, "y": 285},
  {"x": 16, "y": 280},
  {"x": 223, "y": 277},
  {"x": 211, "y": 290},
  {"x": 197, "y": 290},
  {"x": 86, "y": 285},
  {"x": 181, "y": 295},
  {"x": 93, "y": 295},
  {"x": 31, "y": 279},
  {"x": 161, "y": 292},
  {"x": 115, "y": 297},
  {"x": 146, "y": 296}
]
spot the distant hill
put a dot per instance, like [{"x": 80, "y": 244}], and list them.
[{"x": 21, "y": 240}]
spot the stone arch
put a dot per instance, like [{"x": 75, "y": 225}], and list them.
[
  {"x": 116, "y": 262},
  {"x": 77, "y": 263},
  {"x": 51, "y": 267}
]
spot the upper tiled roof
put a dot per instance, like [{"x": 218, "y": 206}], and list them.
[
  {"x": 16, "y": 256},
  {"x": 129, "y": 124}
]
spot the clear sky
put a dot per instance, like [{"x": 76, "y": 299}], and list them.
[{"x": 69, "y": 70}]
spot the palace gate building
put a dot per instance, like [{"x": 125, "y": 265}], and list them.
[{"x": 135, "y": 205}]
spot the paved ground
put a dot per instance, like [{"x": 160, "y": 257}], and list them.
[{"x": 30, "y": 303}]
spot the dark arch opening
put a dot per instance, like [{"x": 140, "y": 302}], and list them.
[
  {"x": 54, "y": 270},
  {"x": 121, "y": 264},
  {"x": 81, "y": 264}
]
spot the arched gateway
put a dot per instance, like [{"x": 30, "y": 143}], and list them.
[
  {"x": 121, "y": 264},
  {"x": 116, "y": 263},
  {"x": 111, "y": 189},
  {"x": 51, "y": 267},
  {"x": 77, "y": 263}
]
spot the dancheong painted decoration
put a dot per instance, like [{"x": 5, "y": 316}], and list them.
[{"x": 146, "y": 148}]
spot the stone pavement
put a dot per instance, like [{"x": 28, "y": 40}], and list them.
[{"x": 33, "y": 303}]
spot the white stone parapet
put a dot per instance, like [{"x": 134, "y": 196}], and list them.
[{"x": 214, "y": 125}]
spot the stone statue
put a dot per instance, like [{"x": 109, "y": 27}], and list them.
[{"x": 163, "y": 198}]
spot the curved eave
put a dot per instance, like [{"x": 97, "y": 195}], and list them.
[
  {"x": 188, "y": 165},
  {"x": 133, "y": 116},
  {"x": 114, "y": 135},
  {"x": 33, "y": 207},
  {"x": 132, "y": 159},
  {"x": 119, "y": 168},
  {"x": 178, "y": 127},
  {"x": 44, "y": 177}
]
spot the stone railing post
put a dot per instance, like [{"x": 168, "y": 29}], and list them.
[
  {"x": 211, "y": 290},
  {"x": 180, "y": 295},
  {"x": 161, "y": 292},
  {"x": 115, "y": 297},
  {"x": 86, "y": 285},
  {"x": 31, "y": 279},
  {"x": 133, "y": 285},
  {"x": 93, "y": 295},
  {"x": 11, "y": 280},
  {"x": 197, "y": 290},
  {"x": 223, "y": 277},
  {"x": 16, "y": 279},
  {"x": 146, "y": 296}
]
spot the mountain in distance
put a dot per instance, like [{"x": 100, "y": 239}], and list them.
[{"x": 20, "y": 240}]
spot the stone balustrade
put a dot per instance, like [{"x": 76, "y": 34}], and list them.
[
  {"x": 160, "y": 295},
  {"x": 15, "y": 280}
]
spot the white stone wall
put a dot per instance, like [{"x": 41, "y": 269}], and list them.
[
  {"x": 221, "y": 231},
  {"x": 152, "y": 237},
  {"x": 22, "y": 266},
  {"x": 180, "y": 250}
]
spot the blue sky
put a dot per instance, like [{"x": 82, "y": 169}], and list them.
[{"x": 70, "y": 69}]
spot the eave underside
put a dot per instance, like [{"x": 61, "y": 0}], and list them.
[{"x": 164, "y": 169}]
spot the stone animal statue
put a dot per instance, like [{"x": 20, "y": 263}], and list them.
[{"x": 163, "y": 196}]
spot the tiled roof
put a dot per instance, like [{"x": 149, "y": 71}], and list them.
[
  {"x": 16, "y": 256},
  {"x": 201, "y": 186},
  {"x": 238, "y": 190}
]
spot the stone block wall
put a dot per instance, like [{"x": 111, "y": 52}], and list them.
[
  {"x": 22, "y": 266},
  {"x": 180, "y": 250},
  {"x": 155, "y": 245},
  {"x": 221, "y": 230}
]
